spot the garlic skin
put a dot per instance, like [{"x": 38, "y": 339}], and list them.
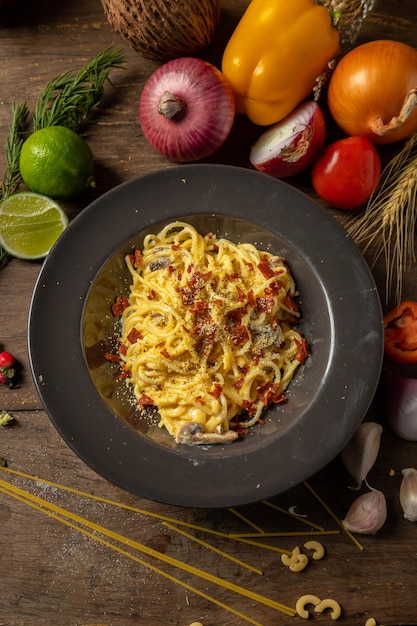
[
  {"x": 367, "y": 514},
  {"x": 408, "y": 493},
  {"x": 361, "y": 452}
]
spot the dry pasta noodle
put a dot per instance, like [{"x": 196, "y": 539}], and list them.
[{"x": 208, "y": 332}]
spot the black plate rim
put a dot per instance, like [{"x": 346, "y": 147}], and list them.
[{"x": 108, "y": 445}]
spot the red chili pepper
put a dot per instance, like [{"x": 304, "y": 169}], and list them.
[{"x": 400, "y": 332}]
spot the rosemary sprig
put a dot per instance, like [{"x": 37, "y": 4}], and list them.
[
  {"x": 13, "y": 146},
  {"x": 68, "y": 100}
]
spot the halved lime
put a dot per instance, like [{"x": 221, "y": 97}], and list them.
[{"x": 30, "y": 224}]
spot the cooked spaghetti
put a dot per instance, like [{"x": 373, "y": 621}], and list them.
[{"x": 208, "y": 332}]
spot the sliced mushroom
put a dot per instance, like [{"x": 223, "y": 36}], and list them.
[{"x": 193, "y": 434}]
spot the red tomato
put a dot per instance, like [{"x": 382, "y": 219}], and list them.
[
  {"x": 400, "y": 332},
  {"x": 347, "y": 172}
]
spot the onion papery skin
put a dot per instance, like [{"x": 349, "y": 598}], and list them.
[
  {"x": 206, "y": 119},
  {"x": 290, "y": 146},
  {"x": 368, "y": 88},
  {"x": 401, "y": 404}
]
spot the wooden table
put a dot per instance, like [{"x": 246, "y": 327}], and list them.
[{"x": 52, "y": 574}]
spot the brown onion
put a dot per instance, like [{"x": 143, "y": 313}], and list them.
[
  {"x": 373, "y": 91},
  {"x": 186, "y": 109}
]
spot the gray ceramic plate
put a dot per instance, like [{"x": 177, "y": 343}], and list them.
[{"x": 71, "y": 327}]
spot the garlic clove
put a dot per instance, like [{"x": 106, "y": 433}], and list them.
[
  {"x": 362, "y": 450},
  {"x": 367, "y": 514},
  {"x": 408, "y": 493}
]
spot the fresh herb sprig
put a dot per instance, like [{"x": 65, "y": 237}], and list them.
[
  {"x": 68, "y": 100},
  {"x": 11, "y": 176}
]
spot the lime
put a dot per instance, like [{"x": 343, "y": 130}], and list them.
[
  {"x": 30, "y": 224},
  {"x": 56, "y": 162}
]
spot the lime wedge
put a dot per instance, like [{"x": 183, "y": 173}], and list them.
[{"x": 30, "y": 224}]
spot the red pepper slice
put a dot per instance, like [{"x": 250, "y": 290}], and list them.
[{"x": 400, "y": 332}]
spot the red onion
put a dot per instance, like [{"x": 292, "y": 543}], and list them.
[
  {"x": 401, "y": 404},
  {"x": 290, "y": 146},
  {"x": 186, "y": 109}
]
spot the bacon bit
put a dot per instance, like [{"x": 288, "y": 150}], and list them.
[
  {"x": 248, "y": 406},
  {"x": 233, "y": 276},
  {"x": 240, "y": 335},
  {"x": 137, "y": 258},
  {"x": 171, "y": 269},
  {"x": 190, "y": 268},
  {"x": 257, "y": 356},
  {"x": 249, "y": 265},
  {"x": 124, "y": 374},
  {"x": 120, "y": 304},
  {"x": 122, "y": 349},
  {"x": 200, "y": 400},
  {"x": 151, "y": 295},
  {"x": 114, "y": 358},
  {"x": 251, "y": 298},
  {"x": 265, "y": 269},
  {"x": 239, "y": 383},
  {"x": 265, "y": 305},
  {"x": 165, "y": 353},
  {"x": 241, "y": 297},
  {"x": 144, "y": 400},
  {"x": 269, "y": 392},
  {"x": 237, "y": 426},
  {"x": 302, "y": 352},
  {"x": 134, "y": 335},
  {"x": 209, "y": 235},
  {"x": 175, "y": 246},
  {"x": 234, "y": 317},
  {"x": 199, "y": 306},
  {"x": 275, "y": 287},
  {"x": 216, "y": 391},
  {"x": 290, "y": 303}
]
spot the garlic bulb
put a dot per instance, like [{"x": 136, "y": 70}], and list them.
[
  {"x": 362, "y": 450},
  {"x": 408, "y": 493},
  {"x": 367, "y": 514}
]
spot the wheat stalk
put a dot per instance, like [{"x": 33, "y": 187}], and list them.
[{"x": 388, "y": 223}]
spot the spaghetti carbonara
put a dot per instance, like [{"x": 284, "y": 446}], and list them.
[{"x": 208, "y": 332}]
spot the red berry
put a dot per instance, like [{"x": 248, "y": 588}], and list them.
[{"x": 6, "y": 359}]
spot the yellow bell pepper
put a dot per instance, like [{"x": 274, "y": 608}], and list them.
[{"x": 275, "y": 55}]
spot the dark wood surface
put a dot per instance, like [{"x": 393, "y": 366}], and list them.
[{"x": 54, "y": 575}]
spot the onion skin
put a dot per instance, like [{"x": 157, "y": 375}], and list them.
[
  {"x": 368, "y": 89},
  {"x": 291, "y": 145},
  {"x": 205, "y": 113},
  {"x": 401, "y": 404}
]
